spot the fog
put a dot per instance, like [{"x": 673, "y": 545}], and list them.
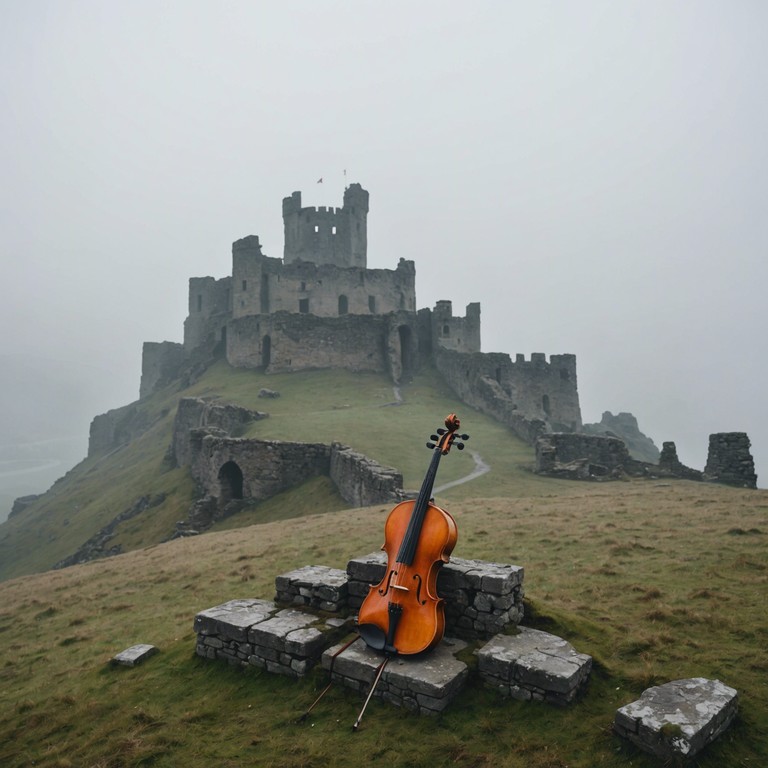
[{"x": 593, "y": 173}]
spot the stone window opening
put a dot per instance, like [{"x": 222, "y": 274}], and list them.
[
  {"x": 545, "y": 404},
  {"x": 245, "y": 285},
  {"x": 303, "y": 286},
  {"x": 304, "y": 306},
  {"x": 317, "y": 227},
  {"x": 343, "y": 305},
  {"x": 372, "y": 304},
  {"x": 333, "y": 230},
  {"x": 199, "y": 302},
  {"x": 446, "y": 330}
]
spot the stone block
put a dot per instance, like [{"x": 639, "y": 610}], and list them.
[
  {"x": 234, "y": 618},
  {"x": 679, "y": 718},
  {"x": 425, "y": 683},
  {"x": 316, "y": 586},
  {"x": 259, "y": 633},
  {"x": 534, "y": 664},
  {"x": 134, "y": 655}
]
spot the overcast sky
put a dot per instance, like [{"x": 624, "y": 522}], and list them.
[{"x": 594, "y": 173}]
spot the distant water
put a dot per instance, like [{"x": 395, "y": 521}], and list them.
[{"x": 33, "y": 467}]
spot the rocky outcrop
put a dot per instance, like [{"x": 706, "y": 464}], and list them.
[
  {"x": 98, "y": 545},
  {"x": 624, "y": 426}
]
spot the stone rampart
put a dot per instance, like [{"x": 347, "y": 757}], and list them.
[{"x": 530, "y": 397}]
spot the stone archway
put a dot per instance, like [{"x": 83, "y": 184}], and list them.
[{"x": 230, "y": 483}]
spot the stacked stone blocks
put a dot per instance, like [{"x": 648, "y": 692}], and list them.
[
  {"x": 481, "y": 598},
  {"x": 261, "y": 634}
]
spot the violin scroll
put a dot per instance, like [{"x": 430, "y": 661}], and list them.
[{"x": 445, "y": 438}]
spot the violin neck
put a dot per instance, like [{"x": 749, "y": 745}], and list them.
[{"x": 410, "y": 541}]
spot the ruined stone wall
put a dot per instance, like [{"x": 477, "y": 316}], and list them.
[
  {"x": 460, "y": 334},
  {"x": 729, "y": 460},
  {"x": 362, "y": 481},
  {"x": 262, "y": 286},
  {"x": 285, "y": 342},
  {"x": 598, "y": 454},
  {"x": 194, "y": 412},
  {"x": 208, "y": 311},
  {"x": 160, "y": 365},
  {"x": 531, "y": 397},
  {"x": 268, "y": 467}
]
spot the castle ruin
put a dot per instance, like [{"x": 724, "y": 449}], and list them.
[{"x": 320, "y": 306}]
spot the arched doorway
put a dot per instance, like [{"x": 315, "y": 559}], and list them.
[{"x": 230, "y": 483}]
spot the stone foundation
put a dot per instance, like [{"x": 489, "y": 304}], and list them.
[
  {"x": 261, "y": 634},
  {"x": 313, "y": 586}
]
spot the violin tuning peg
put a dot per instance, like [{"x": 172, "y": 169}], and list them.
[
  {"x": 430, "y": 445},
  {"x": 464, "y": 437},
  {"x": 434, "y": 437},
  {"x": 460, "y": 446},
  {"x": 441, "y": 431}
]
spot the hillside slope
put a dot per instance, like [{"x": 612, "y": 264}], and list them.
[
  {"x": 359, "y": 410},
  {"x": 657, "y": 581}
]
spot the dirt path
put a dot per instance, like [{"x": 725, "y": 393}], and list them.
[{"x": 480, "y": 469}]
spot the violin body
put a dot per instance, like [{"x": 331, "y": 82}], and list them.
[
  {"x": 413, "y": 587},
  {"x": 402, "y": 614}
]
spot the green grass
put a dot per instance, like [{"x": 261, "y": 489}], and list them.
[
  {"x": 656, "y": 580},
  {"x": 649, "y": 578},
  {"x": 316, "y": 406}
]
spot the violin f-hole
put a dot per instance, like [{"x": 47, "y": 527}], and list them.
[
  {"x": 383, "y": 592},
  {"x": 417, "y": 576}
]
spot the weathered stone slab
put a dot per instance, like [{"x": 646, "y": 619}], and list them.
[
  {"x": 234, "y": 618},
  {"x": 134, "y": 655},
  {"x": 426, "y": 683},
  {"x": 534, "y": 665},
  {"x": 316, "y": 586},
  {"x": 678, "y": 718}
]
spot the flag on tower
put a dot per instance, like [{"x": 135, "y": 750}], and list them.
[{"x": 320, "y": 180}]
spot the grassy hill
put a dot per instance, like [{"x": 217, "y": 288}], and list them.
[{"x": 656, "y": 580}]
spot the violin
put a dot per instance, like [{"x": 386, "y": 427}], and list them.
[{"x": 402, "y": 614}]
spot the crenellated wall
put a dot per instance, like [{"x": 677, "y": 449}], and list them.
[{"x": 530, "y": 397}]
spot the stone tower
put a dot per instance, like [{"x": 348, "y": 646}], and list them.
[{"x": 327, "y": 235}]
